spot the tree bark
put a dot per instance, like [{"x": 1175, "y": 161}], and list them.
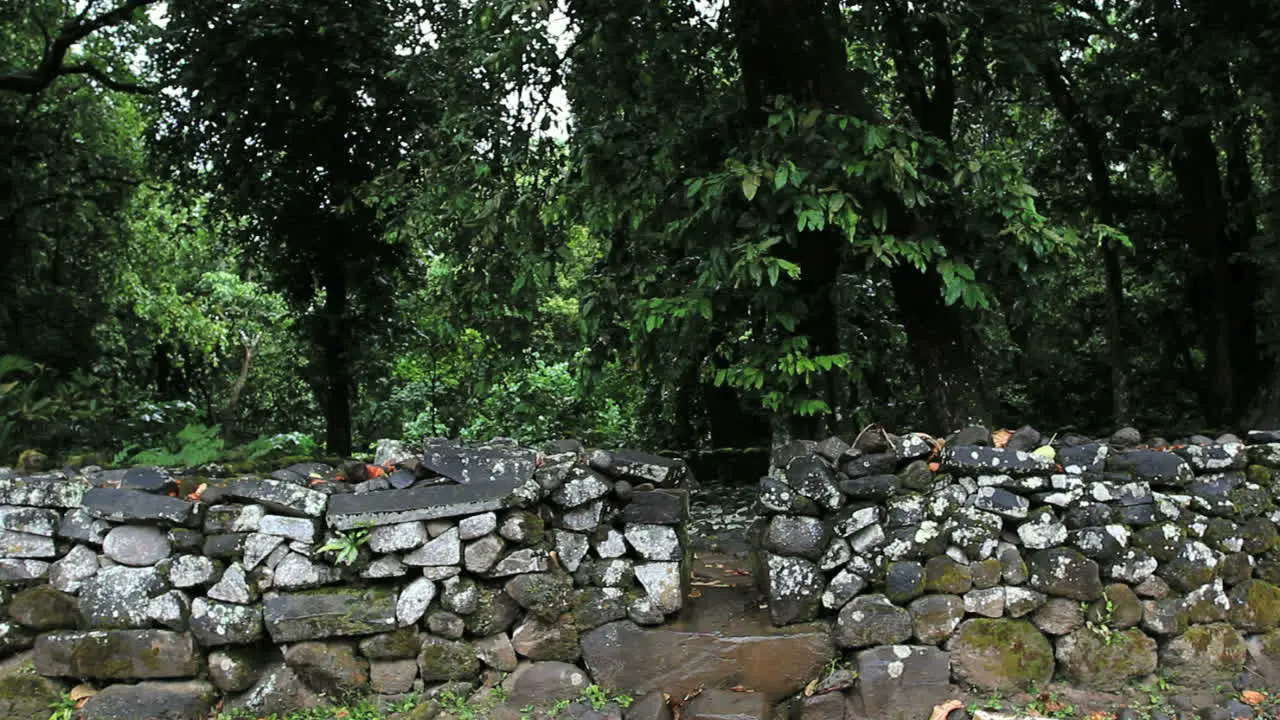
[
  {"x": 1091, "y": 138},
  {"x": 334, "y": 341},
  {"x": 949, "y": 379}
]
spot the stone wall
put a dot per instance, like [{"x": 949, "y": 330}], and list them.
[
  {"x": 460, "y": 560},
  {"x": 1095, "y": 562}
]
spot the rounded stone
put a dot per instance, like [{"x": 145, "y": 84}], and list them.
[
  {"x": 1006, "y": 655},
  {"x": 1058, "y": 616},
  {"x": 136, "y": 545},
  {"x": 44, "y": 608},
  {"x": 1204, "y": 656},
  {"x": 1106, "y": 660}
]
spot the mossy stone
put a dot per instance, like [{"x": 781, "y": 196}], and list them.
[
  {"x": 986, "y": 573},
  {"x": 1204, "y": 656},
  {"x": 545, "y": 595},
  {"x": 1251, "y": 501},
  {"x": 1119, "y": 608},
  {"x": 44, "y": 607},
  {"x": 1259, "y": 535},
  {"x": 398, "y": 645},
  {"x": 1259, "y": 474},
  {"x": 1006, "y": 655},
  {"x": 24, "y": 697},
  {"x": 495, "y": 612},
  {"x": 1107, "y": 661},
  {"x": 1219, "y": 531},
  {"x": 1162, "y": 540},
  {"x": 943, "y": 574},
  {"x": 1235, "y": 568},
  {"x": 441, "y": 660},
  {"x": 1255, "y": 606}
]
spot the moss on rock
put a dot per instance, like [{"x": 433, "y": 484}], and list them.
[
  {"x": 1107, "y": 661},
  {"x": 24, "y": 697},
  {"x": 44, "y": 607},
  {"x": 1255, "y": 606},
  {"x": 442, "y": 660},
  {"x": 1204, "y": 656},
  {"x": 1005, "y": 655}
]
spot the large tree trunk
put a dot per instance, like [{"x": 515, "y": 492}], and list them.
[
  {"x": 949, "y": 380},
  {"x": 334, "y": 341},
  {"x": 1105, "y": 206}
]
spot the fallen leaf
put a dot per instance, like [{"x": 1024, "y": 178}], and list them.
[
  {"x": 1000, "y": 438},
  {"x": 373, "y": 471},
  {"x": 1252, "y": 697},
  {"x": 935, "y": 466},
  {"x": 738, "y": 571},
  {"x": 81, "y": 692},
  {"x": 811, "y": 688},
  {"x": 695, "y": 593},
  {"x": 743, "y": 688},
  {"x": 942, "y": 711},
  {"x": 195, "y": 494}
]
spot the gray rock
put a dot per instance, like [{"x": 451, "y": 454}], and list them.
[
  {"x": 443, "y": 660},
  {"x": 975, "y": 460},
  {"x": 117, "y": 597},
  {"x": 571, "y": 548},
  {"x": 538, "y": 640},
  {"x": 643, "y": 611},
  {"x": 332, "y": 668},
  {"x": 385, "y": 567},
  {"x": 234, "y": 669},
  {"x": 1042, "y": 533},
  {"x": 1000, "y": 654},
  {"x": 392, "y": 676},
  {"x": 583, "y": 519},
  {"x": 293, "y": 528},
  {"x": 793, "y": 587},
  {"x": 841, "y": 589},
  {"x": 544, "y": 683},
  {"x": 616, "y": 573},
  {"x": 30, "y": 520},
  {"x": 153, "y": 700},
  {"x": 170, "y": 610},
  {"x": 188, "y": 571},
  {"x": 413, "y": 601},
  {"x": 446, "y": 625},
  {"x": 640, "y": 467},
  {"x": 43, "y": 491},
  {"x": 872, "y": 620},
  {"x": 134, "y": 654},
  {"x": 935, "y": 617},
  {"x": 79, "y": 525},
  {"x": 812, "y": 478},
  {"x": 482, "y": 554},
  {"x": 987, "y": 602},
  {"x": 460, "y": 595},
  {"x": 496, "y": 651},
  {"x": 654, "y": 542},
  {"x": 402, "y": 644},
  {"x": 22, "y": 545},
  {"x": 128, "y": 506},
  {"x": 215, "y": 623},
  {"x": 278, "y": 691},
  {"x": 900, "y": 682},
  {"x": 657, "y": 507},
  {"x": 332, "y": 612},
  {"x": 281, "y": 497},
  {"x": 1064, "y": 572},
  {"x": 22, "y": 570},
  {"x": 234, "y": 587},
  {"x": 525, "y": 560},
  {"x": 470, "y": 528},
  {"x": 797, "y": 536},
  {"x": 258, "y": 547},
  {"x": 1059, "y": 616},
  {"x": 609, "y": 543},
  {"x": 397, "y": 538},
  {"x": 296, "y": 572},
  {"x": 78, "y": 565},
  {"x": 663, "y": 584},
  {"x": 443, "y": 550}
]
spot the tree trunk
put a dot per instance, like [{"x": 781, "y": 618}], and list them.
[
  {"x": 1105, "y": 207},
  {"x": 949, "y": 380},
  {"x": 334, "y": 341}
]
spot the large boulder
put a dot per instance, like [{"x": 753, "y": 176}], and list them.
[
  {"x": 1204, "y": 656},
  {"x": 902, "y": 682},
  {"x": 331, "y": 668},
  {"x": 1106, "y": 660},
  {"x": 1005, "y": 655},
  {"x": 154, "y": 700},
  {"x": 701, "y": 650},
  {"x": 871, "y": 620}
]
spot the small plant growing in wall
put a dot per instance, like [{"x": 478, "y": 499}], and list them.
[
  {"x": 347, "y": 545},
  {"x": 1106, "y": 616},
  {"x": 64, "y": 708}
]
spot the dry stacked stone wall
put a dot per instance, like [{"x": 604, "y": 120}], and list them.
[
  {"x": 460, "y": 560},
  {"x": 1098, "y": 562}
]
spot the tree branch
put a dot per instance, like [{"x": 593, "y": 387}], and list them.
[{"x": 34, "y": 80}]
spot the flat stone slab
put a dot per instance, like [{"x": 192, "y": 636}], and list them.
[
  {"x": 720, "y": 640},
  {"x": 479, "y": 465},
  {"x": 127, "y": 506},
  {"x": 431, "y": 502},
  {"x": 154, "y": 700},
  {"x": 117, "y": 654},
  {"x": 281, "y": 497},
  {"x": 43, "y": 491},
  {"x": 325, "y": 613}
]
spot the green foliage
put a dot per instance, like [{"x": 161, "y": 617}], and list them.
[
  {"x": 64, "y": 708},
  {"x": 193, "y": 445},
  {"x": 347, "y": 545}
]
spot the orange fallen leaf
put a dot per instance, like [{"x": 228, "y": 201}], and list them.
[
  {"x": 738, "y": 571},
  {"x": 1000, "y": 438},
  {"x": 195, "y": 494},
  {"x": 1252, "y": 697},
  {"x": 942, "y": 711},
  {"x": 81, "y": 692},
  {"x": 741, "y": 688},
  {"x": 935, "y": 466},
  {"x": 695, "y": 593},
  {"x": 1099, "y": 715}
]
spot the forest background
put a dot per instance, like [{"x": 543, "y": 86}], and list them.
[{"x": 303, "y": 225}]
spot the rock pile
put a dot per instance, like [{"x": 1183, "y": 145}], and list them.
[
  {"x": 1095, "y": 561},
  {"x": 434, "y": 567}
]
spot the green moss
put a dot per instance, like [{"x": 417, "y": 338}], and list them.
[
  {"x": 23, "y": 697},
  {"x": 1259, "y": 474},
  {"x": 1255, "y": 606},
  {"x": 44, "y": 607},
  {"x": 986, "y": 573},
  {"x": 442, "y": 660},
  {"x": 1252, "y": 502},
  {"x": 1006, "y": 654},
  {"x": 944, "y": 575},
  {"x": 1109, "y": 662}
]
